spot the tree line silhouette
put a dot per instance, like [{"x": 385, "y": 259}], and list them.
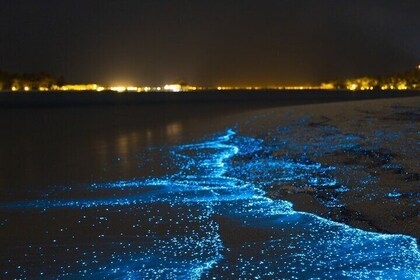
[
  {"x": 29, "y": 81},
  {"x": 409, "y": 80}
]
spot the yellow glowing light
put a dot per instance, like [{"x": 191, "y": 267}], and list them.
[
  {"x": 401, "y": 86},
  {"x": 118, "y": 88},
  {"x": 43, "y": 89},
  {"x": 327, "y": 86},
  {"x": 174, "y": 88},
  {"x": 100, "y": 89},
  {"x": 26, "y": 88},
  {"x": 132, "y": 88},
  {"x": 80, "y": 87},
  {"x": 353, "y": 87},
  {"x": 14, "y": 88}
]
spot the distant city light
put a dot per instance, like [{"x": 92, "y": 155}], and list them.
[
  {"x": 406, "y": 81},
  {"x": 132, "y": 88},
  {"x": 174, "y": 88},
  {"x": 118, "y": 88},
  {"x": 353, "y": 87},
  {"x": 77, "y": 87},
  {"x": 401, "y": 86},
  {"x": 327, "y": 86}
]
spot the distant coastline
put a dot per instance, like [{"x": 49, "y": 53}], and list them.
[{"x": 36, "y": 82}]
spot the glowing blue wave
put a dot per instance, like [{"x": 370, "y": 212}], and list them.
[{"x": 207, "y": 221}]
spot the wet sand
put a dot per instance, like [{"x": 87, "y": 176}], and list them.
[{"x": 373, "y": 150}]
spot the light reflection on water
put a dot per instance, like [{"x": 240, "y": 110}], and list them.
[
  {"x": 44, "y": 147},
  {"x": 204, "y": 218},
  {"x": 173, "y": 130}
]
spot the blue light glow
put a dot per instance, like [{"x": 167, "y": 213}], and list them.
[{"x": 210, "y": 219}]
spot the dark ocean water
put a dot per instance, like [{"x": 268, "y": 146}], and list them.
[{"x": 165, "y": 191}]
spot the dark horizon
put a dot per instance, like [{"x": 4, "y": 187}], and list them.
[{"x": 209, "y": 43}]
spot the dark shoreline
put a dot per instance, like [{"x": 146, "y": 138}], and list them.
[
  {"x": 345, "y": 136},
  {"x": 88, "y": 118},
  {"x": 262, "y": 97}
]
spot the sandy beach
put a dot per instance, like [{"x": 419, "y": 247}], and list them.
[{"x": 372, "y": 150}]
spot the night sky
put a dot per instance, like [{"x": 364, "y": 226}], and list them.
[{"x": 209, "y": 43}]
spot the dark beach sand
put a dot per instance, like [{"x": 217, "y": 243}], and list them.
[{"x": 374, "y": 148}]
